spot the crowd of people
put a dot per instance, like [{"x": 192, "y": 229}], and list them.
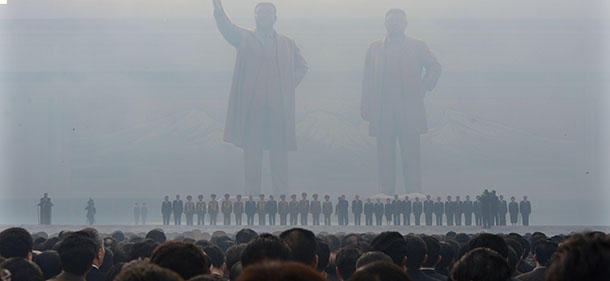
[
  {"x": 488, "y": 210},
  {"x": 298, "y": 254}
]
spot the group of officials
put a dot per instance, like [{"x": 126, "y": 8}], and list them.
[{"x": 488, "y": 210}]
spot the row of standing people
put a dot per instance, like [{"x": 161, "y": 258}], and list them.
[{"x": 488, "y": 210}]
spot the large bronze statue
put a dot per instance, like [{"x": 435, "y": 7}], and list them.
[
  {"x": 260, "y": 116},
  {"x": 398, "y": 72}
]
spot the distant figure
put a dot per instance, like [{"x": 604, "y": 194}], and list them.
[
  {"x": 398, "y": 72},
  {"x": 271, "y": 209},
  {"x": 357, "y": 209},
  {"x": 389, "y": 212},
  {"x": 283, "y": 209},
  {"x": 477, "y": 211},
  {"x": 396, "y": 209},
  {"x": 136, "y": 213},
  {"x": 238, "y": 209},
  {"x": 189, "y": 210},
  {"x": 468, "y": 209},
  {"x": 417, "y": 210},
  {"x": 177, "y": 209},
  {"x": 378, "y": 212},
  {"x": 304, "y": 208},
  {"x": 327, "y": 209},
  {"x": 342, "y": 210},
  {"x": 143, "y": 212},
  {"x": 90, "y": 212},
  {"x": 439, "y": 210},
  {"x": 166, "y": 210},
  {"x": 226, "y": 208},
  {"x": 213, "y": 209},
  {"x": 502, "y": 210},
  {"x": 513, "y": 210},
  {"x": 200, "y": 209},
  {"x": 315, "y": 208},
  {"x": 407, "y": 208},
  {"x": 45, "y": 210},
  {"x": 369, "y": 210},
  {"x": 260, "y": 208},
  {"x": 449, "y": 206},
  {"x": 526, "y": 209},
  {"x": 458, "y": 210},
  {"x": 293, "y": 208},
  {"x": 486, "y": 216},
  {"x": 428, "y": 209},
  {"x": 495, "y": 201},
  {"x": 260, "y": 116},
  {"x": 250, "y": 210}
]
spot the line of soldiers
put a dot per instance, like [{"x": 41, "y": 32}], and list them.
[{"x": 488, "y": 210}]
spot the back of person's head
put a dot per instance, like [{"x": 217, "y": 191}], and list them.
[
  {"x": 371, "y": 257},
  {"x": 447, "y": 253},
  {"x": 544, "y": 250},
  {"x": 157, "y": 235},
  {"x": 323, "y": 252},
  {"x": 434, "y": 250},
  {"x": 235, "y": 271},
  {"x": 392, "y": 244},
  {"x": 346, "y": 261},
  {"x": 22, "y": 269},
  {"x": 184, "y": 258},
  {"x": 216, "y": 256},
  {"x": 207, "y": 277},
  {"x": 233, "y": 255},
  {"x": 223, "y": 242},
  {"x": 77, "y": 252},
  {"x": 491, "y": 241},
  {"x": 245, "y": 235},
  {"x": 513, "y": 260},
  {"x": 16, "y": 242},
  {"x": 144, "y": 271},
  {"x": 302, "y": 244},
  {"x": 118, "y": 236},
  {"x": 280, "y": 271},
  {"x": 93, "y": 234},
  {"x": 581, "y": 257},
  {"x": 351, "y": 239},
  {"x": 380, "y": 271},
  {"x": 142, "y": 249},
  {"x": 525, "y": 245},
  {"x": 49, "y": 262},
  {"x": 481, "y": 264},
  {"x": 265, "y": 247},
  {"x": 416, "y": 251}
]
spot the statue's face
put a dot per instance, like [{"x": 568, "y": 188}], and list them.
[
  {"x": 265, "y": 17},
  {"x": 395, "y": 23}
]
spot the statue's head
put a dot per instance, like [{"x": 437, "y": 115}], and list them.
[
  {"x": 396, "y": 21},
  {"x": 265, "y": 15}
]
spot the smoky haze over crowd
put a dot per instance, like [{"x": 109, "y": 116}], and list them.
[{"x": 128, "y": 99}]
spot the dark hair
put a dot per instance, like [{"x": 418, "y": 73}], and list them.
[
  {"x": 235, "y": 271},
  {"x": 491, "y": 241},
  {"x": 233, "y": 255},
  {"x": 118, "y": 236},
  {"x": 481, "y": 264},
  {"x": 184, "y": 258},
  {"x": 207, "y": 277},
  {"x": 525, "y": 245},
  {"x": 157, "y": 235},
  {"x": 244, "y": 236},
  {"x": 280, "y": 271},
  {"x": 302, "y": 244},
  {"x": 49, "y": 262},
  {"x": 22, "y": 269},
  {"x": 223, "y": 242},
  {"x": 144, "y": 271},
  {"x": 447, "y": 253},
  {"x": 346, "y": 261},
  {"x": 371, "y": 257},
  {"x": 265, "y": 247},
  {"x": 581, "y": 257},
  {"x": 434, "y": 250},
  {"x": 544, "y": 250},
  {"x": 142, "y": 249},
  {"x": 380, "y": 271},
  {"x": 323, "y": 252},
  {"x": 15, "y": 242},
  {"x": 392, "y": 244},
  {"x": 215, "y": 254},
  {"x": 416, "y": 251},
  {"x": 513, "y": 259},
  {"x": 93, "y": 234},
  {"x": 77, "y": 252}
]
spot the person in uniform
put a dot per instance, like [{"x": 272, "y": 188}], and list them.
[
  {"x": 439, "y": 209},
  {"x": 428, "y": 209},
  {"x": 177, "y": 209},
  {"x": 389, "y": 211},
  {"x": 226, "y": 207},
  {"x": 369, "y": 210},
  {"x": 449, "y": 209},
  {"x": 357, "y": 209},
  {"x": 342, "y": 210},
  {"x": 417, "y": 210},
  {"x": 166, "y": 210},
  {"x": 495, "y": 202},
  {"x": 502, "y": 210},
  {"x": 283, "y": 209},
  {"x": 238, "y": 209},
  {"x": 143, "y": 212},
  {"x": 457, "y": 210},
  {"x": 327, "y": 209},
  {"x": 293, "y": 207},
  {"x": 407, "y": 208},
  {"x": 304, "y": 208},
  {"x": 468, "y": 209},
  {"x": 90, "y": 211},
  {"x": 378, "y": 212},
  {"x": 396, "y": 209},
  {"x": 477, "y": 211},
  {"x": 260, "y": 208},
  {"x": 136, "y": 213},
  {"x": 45, "y": 209},
  {"x": 189, "y": 210},
  {"x": 486, "y": 217},
  {"x": 200, "y": 210},
  {"x": 513, "y": 210},
  {"x": 525, "y": 208},
  {"x": 271, "y": 209},
  {"x": 250, "y": 210},
  {"x": 213, "y": 209},
  {"x": 315, "y": 207}
]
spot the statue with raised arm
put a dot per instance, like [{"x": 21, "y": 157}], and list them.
[
  {"x": 260, "y": 116},
  {"x": 398, "y": 72}
]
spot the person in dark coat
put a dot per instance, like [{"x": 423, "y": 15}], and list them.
[
  {"x": 428, "y": 209},
  {"x": 271, "y": 209},
  {"x": 342, "y": 210},
  {"x": 200, "y": 209},
  {"x": 513, "y": 210},
  {"x": 449, "y": 210},
  {"x": 166, "y": 210},
  {"x": 486, "y": 216},
  {"x": 177, "y": 209},
  {"x": 389, "y": 212},
  {"x": 327, "y": 209},
  {"x": 379, "y": 211},
  {"x": 407, "y": 207},
  {"x": 439, "y": 209},
  {"x": 476, "y": 205},
  {"x": 250, "y": 209},
  {"x": 315, "y": 208},
  {"x": 396, "y": 209},
  {"x": 304, "y": 208},
  {"x": 293, "y": 207},
  {"x": 213, "y": 209},
  {"x": 417, "y": 210},
  {"x": 282, "y": 209},
  {"x": 468, "y": 210},
  {"x": 502, "y": 210},
  {"x": 238, "y": 209},
  {"x": 45, "y": 206},
  {"x": 369, "y": 210},
  {"x": 495, "y": 219},
  {"x": 458, "y": 210},
  {"x": 226, "y": 207},
  {"x": 525, "y": 208},
  {"x": 357, "y": 209},
  {"x": 260, "y": 208},
  {"x": 90, "y": 212}
]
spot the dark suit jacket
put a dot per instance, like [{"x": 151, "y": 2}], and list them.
[
  {"x": 418, "y": 275},
  {"x": 535, "y": 275},
  {"x": 96, "y": 275}
]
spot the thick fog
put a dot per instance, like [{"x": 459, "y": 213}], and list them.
[{"x": 126, "y": 101}]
